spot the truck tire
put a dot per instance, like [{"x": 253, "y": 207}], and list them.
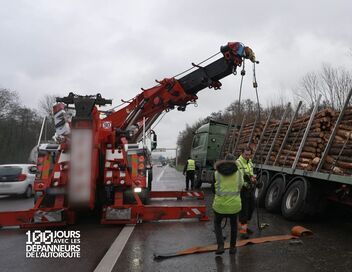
[
  {"x": 261, "y": 192},
  {"x": 274, "y": 193},
  {"x": 294, "y": 201}
]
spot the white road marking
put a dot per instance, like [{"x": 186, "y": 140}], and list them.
[
  {"x": 109, "y": 260},
  {"x": 161, "y": 174}
]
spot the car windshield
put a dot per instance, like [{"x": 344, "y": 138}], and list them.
[{"x": 10, "y": 171}]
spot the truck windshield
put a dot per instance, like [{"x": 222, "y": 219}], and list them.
[{"x": 199, "y": 140}]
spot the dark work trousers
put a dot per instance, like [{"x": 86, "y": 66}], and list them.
[
  {"x": 248, "y": 205},
  {"x": 218, "y": 231},
  {"x": 190, "y": 177}
]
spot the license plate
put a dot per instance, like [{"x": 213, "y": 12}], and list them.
[{"x": 5, "y": 185}]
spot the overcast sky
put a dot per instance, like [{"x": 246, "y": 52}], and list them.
[{"x": 117, "y": 47}]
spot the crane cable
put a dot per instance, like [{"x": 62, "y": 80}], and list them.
[
  {"x": 243, "y": 73},
  {"x": 159, "y": 120},
  {"x": 193, "y": 67},
  {"x": 255, "y": 86}
]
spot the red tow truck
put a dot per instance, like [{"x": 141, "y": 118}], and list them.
[{"x": 101, "y": 163}]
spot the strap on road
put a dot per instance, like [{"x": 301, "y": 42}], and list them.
[{"x": 296, "y": 232}]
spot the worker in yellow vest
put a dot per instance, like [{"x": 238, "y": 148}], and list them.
[
  {"x": 189, "y": 171},
  {"x": 227, "y": 200},
  {"x": 245, "y": 164}
]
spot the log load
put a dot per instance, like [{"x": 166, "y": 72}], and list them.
[{"x": 339, "y": 158}]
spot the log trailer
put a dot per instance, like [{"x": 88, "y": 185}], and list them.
[
  {"x": 101, "y": 163},
  {"x": 303, "y": 162}
]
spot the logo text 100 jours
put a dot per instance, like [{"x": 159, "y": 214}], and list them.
[{"x": 53, "y": 244}]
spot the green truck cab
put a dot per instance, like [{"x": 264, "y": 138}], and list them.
[{"x": 206, "y": 147}]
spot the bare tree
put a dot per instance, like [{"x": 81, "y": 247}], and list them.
[
  {"x": 46, "y": 109},
  {"x": 19, "y": 128},
  {"x": 343, "y": 86},
  {"x": 309, "y": 88},
  {"x": 332, "y": 83},
  {"x": 46, "y": 105},
  {"x": 9, "y": 102},
  {"x": 329, "y": 77}
]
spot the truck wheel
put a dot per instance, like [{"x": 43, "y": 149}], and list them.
[
  {"x": 261, "y": 192},
  {"x": 274, "y": 194},
  {"x": 293, "y": 202}
]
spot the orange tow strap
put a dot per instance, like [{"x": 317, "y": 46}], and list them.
[{"x": 296, "y": 232}]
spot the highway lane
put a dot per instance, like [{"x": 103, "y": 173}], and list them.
[
  {"x": 329, "y": 249},
  {"x": 96, "y": 239}
]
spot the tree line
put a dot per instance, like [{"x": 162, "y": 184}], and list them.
[
  {"x": 19, "y": 127},
  {"x": 332, "y": 83}
]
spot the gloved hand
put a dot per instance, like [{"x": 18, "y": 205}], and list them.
[
  {"x": 249, "y": 54},
  {"x": 259, "y": 185}
]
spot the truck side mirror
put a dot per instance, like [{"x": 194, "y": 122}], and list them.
[{"x": 33, "y": 170}]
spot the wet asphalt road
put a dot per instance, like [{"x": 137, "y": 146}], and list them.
[
  {"x": 329, "y": 249},
  {"x": 95, "y": 239}
]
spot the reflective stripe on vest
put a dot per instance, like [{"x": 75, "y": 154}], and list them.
[
  {"x": 218, "y": 188},
  {"x": 191, "y": 165}
]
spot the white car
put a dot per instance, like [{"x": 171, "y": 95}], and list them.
[{"x": 17, "y": 179}]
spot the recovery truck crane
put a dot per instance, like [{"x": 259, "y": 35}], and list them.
[{"x": 99, "y": 164}]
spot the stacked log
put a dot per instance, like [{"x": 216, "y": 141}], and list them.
[
  {"x": 245, "y": 136},
  {"x": 339, "y": 158}
]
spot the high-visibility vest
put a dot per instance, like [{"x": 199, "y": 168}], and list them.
[
  {"x": 191, "y": 165},
  {"x": 227, "y": 198},
  {"x": 245, "y": 166}
]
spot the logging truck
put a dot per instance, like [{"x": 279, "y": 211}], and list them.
[
  {"x": 303, "y": 161},
  {"x": 206, "y": 145}
]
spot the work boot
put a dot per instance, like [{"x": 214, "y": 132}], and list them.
[
  {"x": 243, "y": 231},
  {"x": 244, "y": 236},
  {"x": 220, "y": 249}
]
